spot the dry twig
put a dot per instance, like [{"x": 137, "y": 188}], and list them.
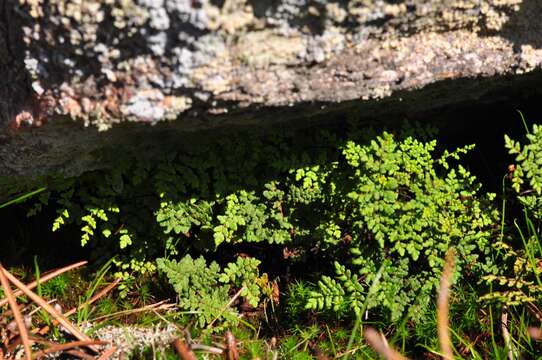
[
  {"x": 184, "y": 351},
  {"x": 45, "y": 278},
  {"x": 23, "y": 332},
  {"x": 61, "y": 319},
  {"x": 107, "y": 353},
  {"x": 380, "y": 345},
  {"x": 72, "y": 311},
  {"x": 79, "y": 354},
  {"x": 68, "y": 346},
  {"x": 443, "y": 306},
  {"x": 161, "y": 305},
  {"x": 231, "y": 346},
  {"x": 96, "y": 297},
  {"x": 230, "y": 303}
]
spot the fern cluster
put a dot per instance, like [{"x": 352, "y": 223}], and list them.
[
  {"x": 518, "y": 279},
  {"x": 365, "y": 203},
  {"x": 402, "y": 209}
]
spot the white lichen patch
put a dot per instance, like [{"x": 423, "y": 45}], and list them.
[
  {"x": 134, "y": 339},
  {"x": 128, "y": 60},
  {"x": 263, "y": 48},
  {"x": 530, "y": 58}
]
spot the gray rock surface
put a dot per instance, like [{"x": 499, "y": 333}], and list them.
[{"x": 80, "y": 76}]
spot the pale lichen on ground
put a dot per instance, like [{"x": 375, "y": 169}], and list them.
[{"x": 130, "y": 340}]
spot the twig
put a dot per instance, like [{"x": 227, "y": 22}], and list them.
[
  {"x": 207, "y": 348},
  {"x": 443, "y": 306},
  {"x": 45, "y": 278},
  {"x": 94, "y": 298},
  {"x": 71, "y": 345},
  {"x": 38, "y": 308},
  {"x": 61, "y": 319},
  {"x": 184, "y": 351},
  {"x": 107, "y": 353},
  {"x": 188, "y": 337},
  {"x": 80, "y": 354},
  {"x": 231, "y": 347},
  {"x": 533, "y": 309},
  {"x": 232, "y": 300},
  {"x": 152, "y": 307},
  {"x": 23, "y": 332},
  {"x": 380, "y": 345}
]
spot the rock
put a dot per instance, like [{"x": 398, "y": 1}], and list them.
[{"x": 80, "y": 77}]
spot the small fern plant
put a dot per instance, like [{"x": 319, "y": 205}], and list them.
[
  {"x": 206, "y": 291},
  {"x": 400, "y": 206},
  {"x": 519, "y": 278}
]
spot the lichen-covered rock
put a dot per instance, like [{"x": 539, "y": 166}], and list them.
[{"x": 105, "y": 62}]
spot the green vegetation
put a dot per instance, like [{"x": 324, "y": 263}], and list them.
[
  {"x": 204, "y": 290},
  {"x": 310, "y": 237}
]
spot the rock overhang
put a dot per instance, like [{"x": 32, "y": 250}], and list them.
[{"x": 76, "y": 71}]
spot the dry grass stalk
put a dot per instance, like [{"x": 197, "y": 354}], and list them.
[
  {"x": 533, "y": 309},
  {"x": 443, "y": 306},
  {"x": 79, "y": 354},
  {"x": 184, "y": 351},
  {"x": 208, "y": 348},
  {"x": 108, "y": 353},
  {"x": 72, "y": 311},
  {"x": 95, "y": 298},
  {"x": 231, "y": 346},
  {"x": 230, "y": 303},
  {"x": 68, "y": 346},
  {"x": 23, "y": 332},
  {"x": 381, "y": 346},
  {"x": 161, "y": 305},
  {"x": 535, "y": 333},
  {"x": 61, "y": 319},
  {"x": 45, "y": 278}
]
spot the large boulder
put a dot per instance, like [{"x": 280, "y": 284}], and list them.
[{"x": 81, "y": 78}]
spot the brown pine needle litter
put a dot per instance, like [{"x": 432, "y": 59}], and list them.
[
  {"x": 381, "y": 346},
  {"x": 46, "y": 277},
  {"x": 108, "y": 353},
  {"x": 23, "y": 332},
  {"x": 20, "y": 326},
  {"x": 68, "y": 346},
  {"x": 184, "y": 350},
  {"x": 59, "y": 317}
]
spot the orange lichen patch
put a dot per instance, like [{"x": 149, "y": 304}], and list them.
[
  {"x": 70, "y": 106},
  {"x": 21, "y": 119},
  {"x": 33, "y": 113}
]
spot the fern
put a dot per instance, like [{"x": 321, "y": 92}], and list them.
[
  {"x": 519, "y": 278},
  {"x": 244, "y": 274},
  {"x": 398, "y": 209},
  {"x": 197, "y": 287},
  {"x": 205, "y": 291},
  {"x": 363, "y": 202}
]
